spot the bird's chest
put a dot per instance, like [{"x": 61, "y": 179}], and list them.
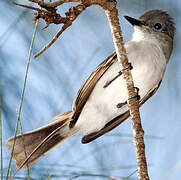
[
  {"x": 111, "y": 89},
  {"x": 101, "y": 106}
]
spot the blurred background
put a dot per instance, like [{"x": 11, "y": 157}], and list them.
[{"x": 54, "y": 79}]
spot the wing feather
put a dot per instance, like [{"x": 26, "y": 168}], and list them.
[
  {"x": 87, "y": 87},
  {"x": 118, "y": 120}
]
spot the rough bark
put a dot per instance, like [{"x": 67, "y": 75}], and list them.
[{"x": 133, "y": 103}]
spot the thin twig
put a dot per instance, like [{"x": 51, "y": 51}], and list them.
[
  {"x": 126, "y": 178},
  {"x": 52, "y": 4},
  {"x": 21, "y": 130},
  {"x": 93, "y": 175},
  {"x": 49, "y": 176},
  {"x": 133, "y": 103},
  {"x": 52, "y": 41},
  {"x": 30, "y": 7},
  {"x": 71, "y": 16},
  {"x": 10, "y": 173},
  {"x": 22, "y": 97},
  {"x": 50, "y": 15}
]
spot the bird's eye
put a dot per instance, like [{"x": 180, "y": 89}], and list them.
[{"x": 157, "y": 26}]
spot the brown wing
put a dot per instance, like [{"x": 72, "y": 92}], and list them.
[
  {"x": 118, "y": 120},
  {"x": 87, "y": 87}
]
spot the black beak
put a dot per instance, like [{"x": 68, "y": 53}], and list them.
[{"x": 134, "y": 22}]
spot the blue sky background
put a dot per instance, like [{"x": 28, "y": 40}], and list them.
[{"x": 55, "y": 77}]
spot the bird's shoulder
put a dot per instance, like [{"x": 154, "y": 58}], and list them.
[{"x": 88, "y": 85}]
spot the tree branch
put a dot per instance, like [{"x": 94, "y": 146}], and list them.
[{"x": 133, "y": 103}]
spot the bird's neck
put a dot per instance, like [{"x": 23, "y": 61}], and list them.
[
  {"x": 144, "y": 36},
  {"x": 165, "y": 43}
]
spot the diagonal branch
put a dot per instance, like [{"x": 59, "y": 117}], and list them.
[{"x": 133, "y": 103}]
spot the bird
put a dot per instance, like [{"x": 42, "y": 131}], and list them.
[{"x": 100, "y": 104}]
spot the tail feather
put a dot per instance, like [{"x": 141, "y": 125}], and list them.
[{"x": 43, "y": 139}]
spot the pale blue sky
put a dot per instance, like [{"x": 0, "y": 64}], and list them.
[{"x": 55, "y": 77}]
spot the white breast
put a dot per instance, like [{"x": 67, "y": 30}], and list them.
[{"x": 148, "y": 68}]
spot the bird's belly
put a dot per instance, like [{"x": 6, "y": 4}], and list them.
[{"x": 101, "y": 106}]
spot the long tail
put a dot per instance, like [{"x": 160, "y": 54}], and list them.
[{"x": 40, "y": 141}]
